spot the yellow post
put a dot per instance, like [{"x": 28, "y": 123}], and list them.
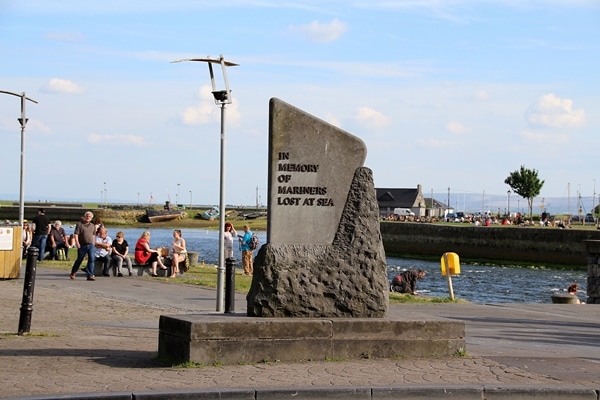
[{"x": 450, "y": 265}]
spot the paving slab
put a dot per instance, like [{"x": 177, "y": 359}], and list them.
[{"x": 102, "y": 337}]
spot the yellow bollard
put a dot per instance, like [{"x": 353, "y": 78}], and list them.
[{"x": 450, "y": 266}]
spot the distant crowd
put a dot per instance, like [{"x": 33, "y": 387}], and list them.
[{"x": 487, "y": 220}]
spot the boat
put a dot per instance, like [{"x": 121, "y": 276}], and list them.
[
  {"x": 163, "y": 215},
  {"x": 254, "y": 215},
  {"x": 211, "y": 214},
  {"x": 166, "y": 214}
]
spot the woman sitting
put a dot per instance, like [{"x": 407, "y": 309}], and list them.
[
  {"x": 144, "y": 255},
  {"x": 572, "y": 290},
  {"x": 178, "y": 252}
]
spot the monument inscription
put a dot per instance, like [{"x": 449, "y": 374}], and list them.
[{"x": 306, "y": 195}]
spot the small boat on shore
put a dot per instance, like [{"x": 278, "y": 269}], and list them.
[
  {"x": 211, "y": 214},
  {"x": 166, "y": 214},
  {"x": 163, "y": 215},
  {"x": 254, "y": 215}
]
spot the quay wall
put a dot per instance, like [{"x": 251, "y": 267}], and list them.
[{"x": 523, "y": 246}]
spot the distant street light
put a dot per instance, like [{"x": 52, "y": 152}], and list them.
[
  {"x": 177, "y": 196},
  {"x": 222, "y": 97},
  {"x": 508, "y": 194},
  {"x": 190, "y": 199}
]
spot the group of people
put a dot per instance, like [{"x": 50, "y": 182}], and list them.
[
  {"x": 43, "y": 235},
  {"x": 91, "y": 239},
  {"x": 244, "y": 240}
]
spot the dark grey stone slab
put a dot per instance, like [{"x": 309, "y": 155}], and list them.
[
  {"x": 311, "y": 167},
  {"x": 212, "y": 339}
]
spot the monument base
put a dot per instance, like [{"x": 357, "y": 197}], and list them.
[{"x": 234, "y": 339}]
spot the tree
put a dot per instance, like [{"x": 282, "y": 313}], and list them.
[{"x": 525, "y": 183}]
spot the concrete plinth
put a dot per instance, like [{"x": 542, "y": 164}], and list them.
[{"x": 209, "y": 338}]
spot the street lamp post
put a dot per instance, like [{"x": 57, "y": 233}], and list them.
[
  {"x": 23, "y": 121},
  {"x": 190, "y": 199},
  {"x": 177, "y": 197},
  {"x": 508, "y": 194},
  {"x": 222, "y": 97}
]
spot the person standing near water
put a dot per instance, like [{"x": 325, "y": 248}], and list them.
[
  {"x": 246, "y": 250},
  {"x": 229, "y": 234}
]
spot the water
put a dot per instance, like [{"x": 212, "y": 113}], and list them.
[{"x": 479, "y": 284}]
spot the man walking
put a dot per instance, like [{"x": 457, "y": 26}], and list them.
[
  {"x": 41, "y": 230},
  {"x": 84, "y": 236}
]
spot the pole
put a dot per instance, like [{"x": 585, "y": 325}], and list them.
[
  {"x": 230, "y": 285},
  {"x": 28, "y": 286},
  {"x": 221, "y": 267},
  {"x": 448, "y": 277},
  {"x": 23, "y": 121}
]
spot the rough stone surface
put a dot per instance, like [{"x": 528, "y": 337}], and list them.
[
  {"x": 592, "y": 248},
  {"x": 345, "y": 279}
]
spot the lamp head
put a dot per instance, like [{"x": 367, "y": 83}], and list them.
[{"x": 220, "y": 95}]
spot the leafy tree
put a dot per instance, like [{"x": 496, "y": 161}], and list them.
[{"x": 525, "y": 183}]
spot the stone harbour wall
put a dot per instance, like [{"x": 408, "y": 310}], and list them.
[
  {"x": 592, "y": 248},
  {"x": 538, "y": 246}
]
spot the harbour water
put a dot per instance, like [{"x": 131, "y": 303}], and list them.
[{"x": 479, "y": 284}]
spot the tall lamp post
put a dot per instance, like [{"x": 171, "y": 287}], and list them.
[
  {"x": 222, "y": 97},
  {"x": 508, "y": 194},
  {"x": 23, "y": 121},
  {"x": 177, "y": 197},
  {"x": 190, "y": 199}
]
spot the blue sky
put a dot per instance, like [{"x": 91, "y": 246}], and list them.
[{"x": 446, "y": 94}]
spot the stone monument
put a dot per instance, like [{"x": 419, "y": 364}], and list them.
[
  {"x": 323, "y": 262},
  {"x": 324, "y": 255}
]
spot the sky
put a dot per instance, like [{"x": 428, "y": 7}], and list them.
[{"x": 452, "y": 95}]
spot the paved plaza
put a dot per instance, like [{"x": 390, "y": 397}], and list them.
[{"x": 102, "y": 337}]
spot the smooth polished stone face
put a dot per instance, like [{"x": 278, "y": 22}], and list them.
[{"x": 311, "y": 167}]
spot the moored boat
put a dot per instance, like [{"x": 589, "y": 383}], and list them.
[
  {"x": 163, "y": 215},
  {"x": 211, "y": 214}
]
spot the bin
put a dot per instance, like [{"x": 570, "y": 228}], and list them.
[{"x": 10, "y": 251}]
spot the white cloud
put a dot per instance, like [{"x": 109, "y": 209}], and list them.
[
  {"x": 35, "y": 125},
  {"x": 482, "y": 95},
  {"x": 436, "y": 143},
  {"x": 206, "y": 111},
  {"x": 371, "y": 118},
  {"x": 333, "y": 120},
  {"x": 545, "y": 138},
  {"x": 65, "y": 36},
  {"x": 199, "y": 114},
  {"x": 550, "y": 111},
  {"x": 319, "y": 32},
  {"x": 132, "y": 140},
  {"x": 57, "y": 85},
  {"x": 456, "y": 127}
]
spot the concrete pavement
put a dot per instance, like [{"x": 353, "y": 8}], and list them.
[{"x": 102, "y": 337}]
